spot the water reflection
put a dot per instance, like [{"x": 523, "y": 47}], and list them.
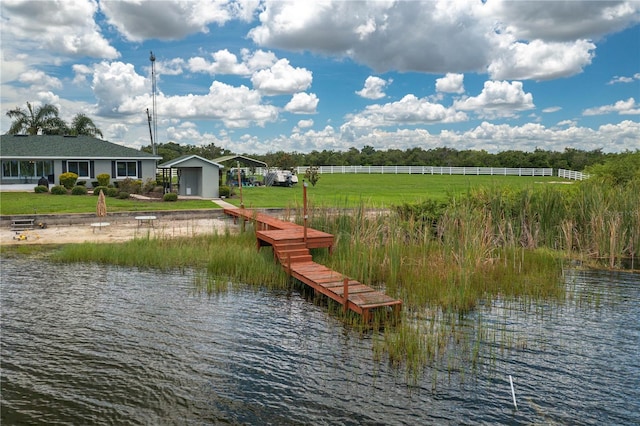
[{"x": 98, "y": 344}]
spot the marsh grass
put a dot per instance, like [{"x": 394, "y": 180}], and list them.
[{"x": 491, "y": 245}]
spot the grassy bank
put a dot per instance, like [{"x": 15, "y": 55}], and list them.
[{"x": 442, "y": 258}]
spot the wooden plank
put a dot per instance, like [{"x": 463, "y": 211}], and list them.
[{"x": 287, "y": 238}]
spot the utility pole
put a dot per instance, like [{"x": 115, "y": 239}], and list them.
[{"x": 152, "y": 58}]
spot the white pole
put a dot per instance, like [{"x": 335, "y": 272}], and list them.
[{"x": 513, "y": 392}]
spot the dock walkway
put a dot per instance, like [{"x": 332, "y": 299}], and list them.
[{"x": 291, "y": 243}]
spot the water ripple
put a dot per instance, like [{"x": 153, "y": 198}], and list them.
[{"x": 97, "y": 344}]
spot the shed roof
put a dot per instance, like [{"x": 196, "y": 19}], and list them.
[
  {"x": 245, "y": 160},
  {"x": 176, "y": 162},
  {"x": 56, "y": 146}
]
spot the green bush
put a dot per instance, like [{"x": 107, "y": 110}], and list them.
[
  {"x": 58, "y": 190},
  {"x": 112, "y": 192},
  {"x": 132, "y": 186},
  {"x": 68, "y": 180},
  {"x": 94, "y": 183},
  {"x": 79, "y": 190},
  {"x": 40, "y": 189},
  {"x": 148, "y": 186},
  {"x": 103, "y": 179},
  {"x": 98, "y": 189},
  {"x": 81, "y": 183},
  {"x": 123, "y": 195},
  {"x": 224, "y": 191},
  {"x": 170, "y": 196}
]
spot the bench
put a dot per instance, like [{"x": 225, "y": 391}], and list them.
[
  {"x": 99, "y": 226},
  {"x": 21, "y": 224},
  {"x": 145, "y": 220}
]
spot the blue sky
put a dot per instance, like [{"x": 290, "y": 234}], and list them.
[{"x": 258, "y": 76}]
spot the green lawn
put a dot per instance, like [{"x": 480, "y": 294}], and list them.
[
  {"x": 331, "y": 190},
  {"x": 31, "y": 203},
  {"x": 376, "y": 190}
]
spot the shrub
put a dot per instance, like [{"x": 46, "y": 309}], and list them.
[
  {"x": 170, "y": 196},
  {"x": 81, "y": 183},
  {"x": 68, "y": 180},
  {"x": 123, "y": 195},
  {"x": 40, "y": 189},
  {"x": 98, "y": 189},
  {"x": 148, "y": 186},
  {"x": 112, "y": 192},
  {"x": 132, "y": 186},
  {"x": 224, "y": 191},
  {"x": 312, "y": 174},
  {"x": 94, "y": 183},
  {"x": 103, "y": 179},
  {"x": 79, "y": 190},
  {"x": 58, "y": 190}
]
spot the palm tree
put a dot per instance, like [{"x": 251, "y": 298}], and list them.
[
  {"x": 83, "y": 125},
  {"x": 43, "y": 119}
]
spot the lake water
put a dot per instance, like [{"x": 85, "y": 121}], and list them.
[{"x": 90, "y": 344}]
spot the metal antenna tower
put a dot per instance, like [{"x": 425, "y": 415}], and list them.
[{"x": 154, "y": 113}]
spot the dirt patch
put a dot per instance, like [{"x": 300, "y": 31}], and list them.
[{"x": 122, "y": 230}]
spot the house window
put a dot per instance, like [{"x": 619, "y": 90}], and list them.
[
  {"x": 17, "y": 169},
  {"x": 10, "y": 168},
  {"x": 44, "y": 168},
  {"x": 81, "y": 168},
  {"x": 126, "y": 169}
]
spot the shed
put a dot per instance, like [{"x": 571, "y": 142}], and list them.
[{"x": 197, "y": 176}]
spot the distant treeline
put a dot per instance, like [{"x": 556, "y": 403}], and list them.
[{"x": 570, "y": 158}]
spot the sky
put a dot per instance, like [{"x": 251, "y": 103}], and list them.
[{"x": 258, "y": 76}]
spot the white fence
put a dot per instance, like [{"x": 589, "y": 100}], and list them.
[
  {"x": 431, "y": 170},
  {"x": 570, "y": 174}
]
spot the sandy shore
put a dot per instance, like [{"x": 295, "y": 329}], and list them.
[{"x": 122, "y": 230}]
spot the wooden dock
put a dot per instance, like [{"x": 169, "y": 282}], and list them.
[{"x": 291, "y": 244}]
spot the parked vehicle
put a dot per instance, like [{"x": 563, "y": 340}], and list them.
[{"x": 278, "y": 177}]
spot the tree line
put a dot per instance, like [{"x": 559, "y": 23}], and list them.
[
  {"x": 570, "y": 158},
  {"x": 45, "y": 120}
]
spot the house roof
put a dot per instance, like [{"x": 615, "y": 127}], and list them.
[
  {"x": 177, "y": 162},
  {"x": 76, "y": 147},
  {"x": 245, "y": 160}
]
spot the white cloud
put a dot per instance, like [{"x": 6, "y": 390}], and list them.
[
  {"x": 138, "y": 20},
  {"x": 497, "y": 99},
  {"x": 224, "y": 62},
  {"x": 563, "y": 21},
  {"x": 513, "y": 40},
  {"x": 81, "y": 72},
  {"x": 303, "y": 124},
  {"x": 623, "y": 79},
  {"x": 539, "y": 60},
  {"x": 552, "y": 109},
  {"x": 302, "y": 103},
  {"x": 282, "y": 79},
  {"x": 410, "y": 110},
  {"x": 115, "y": 84},
  {"x": 450, "y": 83},
  {"x": 628, "y": 107},
  {"x": 65, "y": 27},
  {"x": 373, "y": 88},
  {"x": 39, "y": 80}
]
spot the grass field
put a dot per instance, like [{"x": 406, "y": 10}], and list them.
[
  {"x": 376, "y": 190},
  {"x": 332, "y": 190}
]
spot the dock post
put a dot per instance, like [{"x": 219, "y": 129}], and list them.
[
  {"x": 346, "y": 294},
  {"x": 306, "y": 215}
]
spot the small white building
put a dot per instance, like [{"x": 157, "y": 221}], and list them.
[{"x": 197, "y": 176}]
